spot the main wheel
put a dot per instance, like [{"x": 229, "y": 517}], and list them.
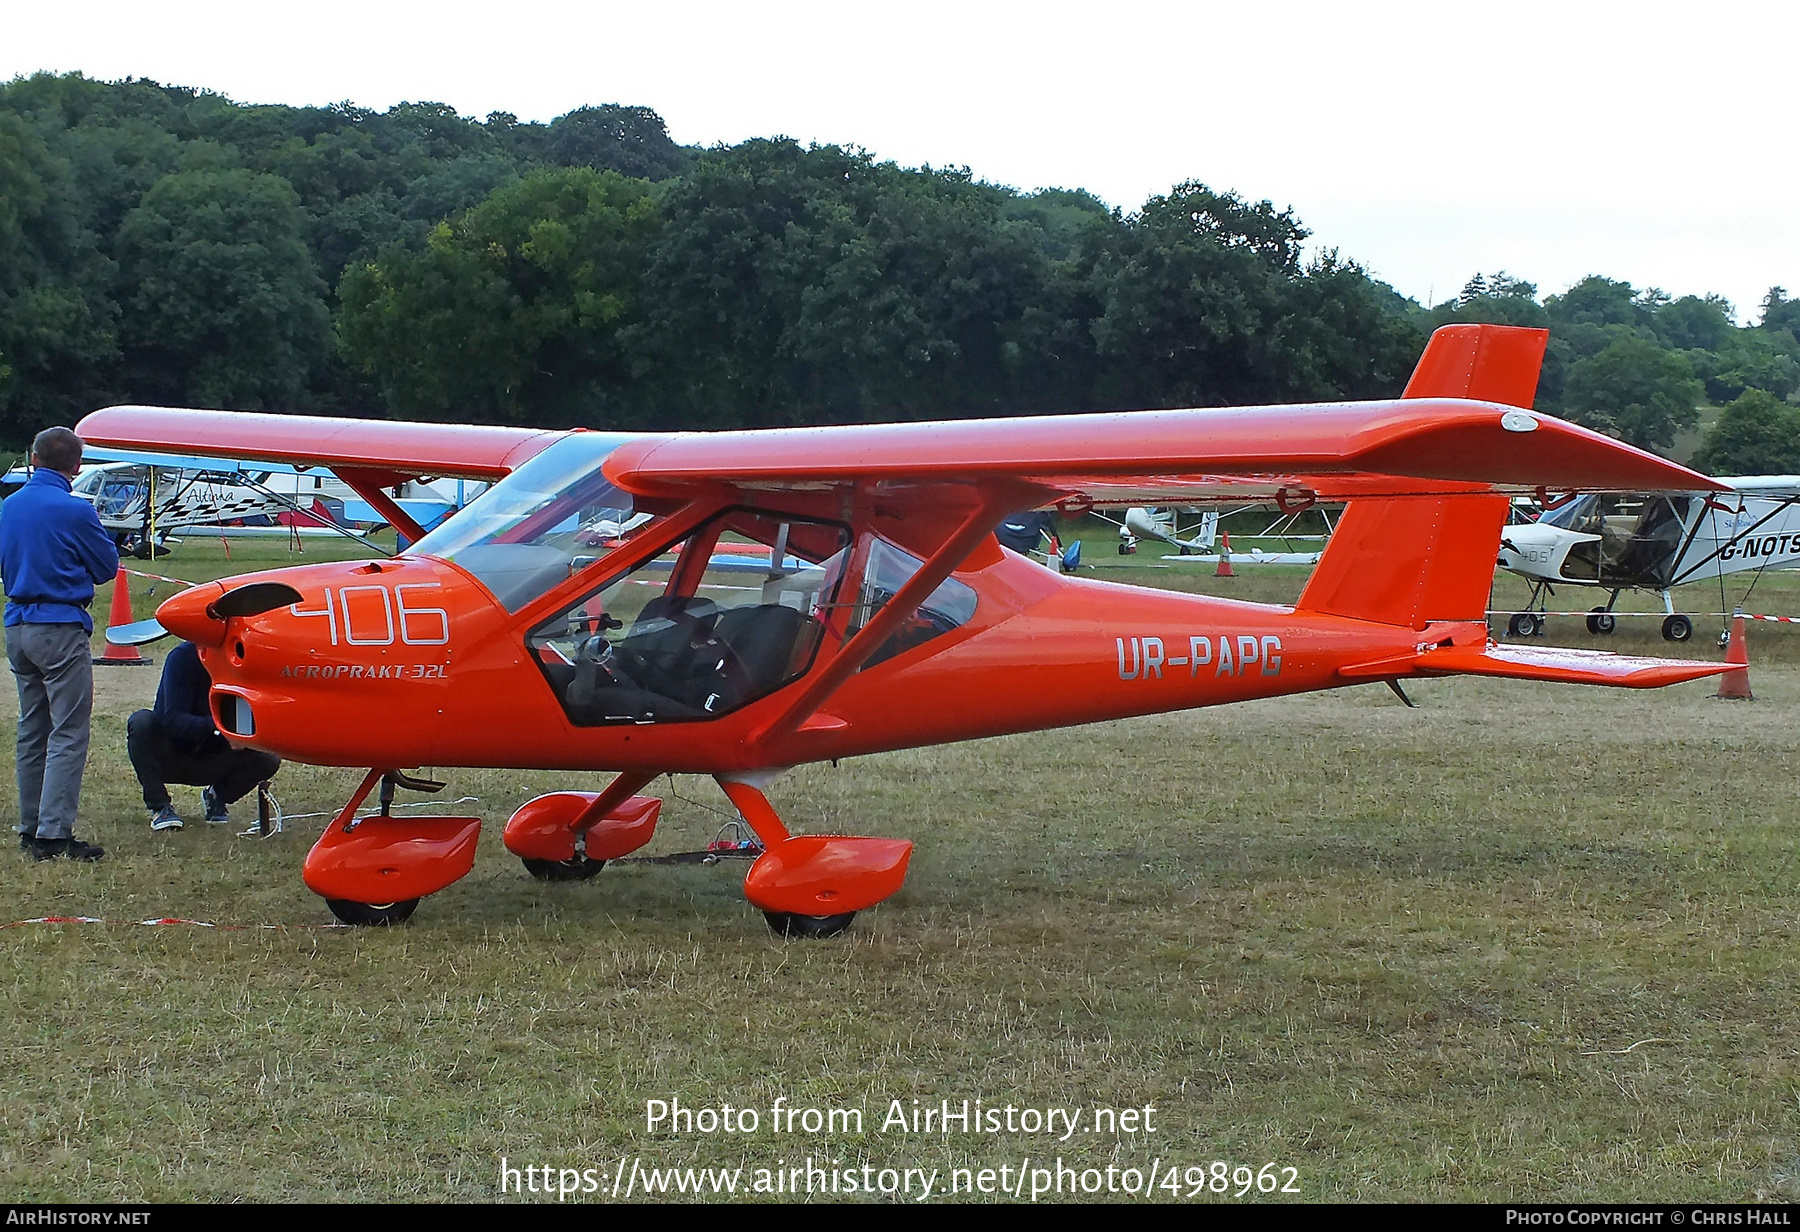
[
  {"x": 1601, "y": 621},
  {"x": 580, "y": 868},
  {"x": 1677, "y": 628},
  {"x": 367, "y": 914},
  {"x": 787, "y": 924},
  {"x": 1523, "y": 624}
]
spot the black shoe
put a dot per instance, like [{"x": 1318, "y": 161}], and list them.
[
  {"x": 26, "y": 840},
  {"x": 64, "y": 848}
]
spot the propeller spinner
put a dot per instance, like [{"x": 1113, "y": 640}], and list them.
[{"x": 194, "y": 621}]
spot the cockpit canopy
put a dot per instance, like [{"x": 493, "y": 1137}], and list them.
[{"x": 1639, "y": 537}]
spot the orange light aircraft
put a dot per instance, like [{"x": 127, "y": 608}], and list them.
[{"x": 738, "y": 603}]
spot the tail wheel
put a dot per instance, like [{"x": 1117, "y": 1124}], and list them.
[
  {"x": 370, "y": 914},
  {"x": 787, "y": 924},
  {"x": 580, "y": 868},
  {"x": 1677, "y": 628}
]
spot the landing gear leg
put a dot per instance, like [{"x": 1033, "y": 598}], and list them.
[
  {"x": 1601, "y": 619},
  {"x": 570, "y": 835},
  {"x": 1675, "y": 627},
  {"x": 1529, "y": 623},
  {"x": 812, "y": 885},
  {"x": 374, "y": 870}
]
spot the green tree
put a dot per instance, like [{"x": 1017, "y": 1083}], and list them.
[
  {"x": 1599, "y": 302},
  {"x": 223, "y": 305},
  {"x": 57, "y": 320},
  {"x": 630, "y": 140},
  {"x": 1693, "y": 323},
  {"x": 1758, "y": 434},
  {"x": 1205, "y": 301},
  {"x": 795, "y": 285},
  {"x": 1191, "y": 290},
  {"x": 511, "y": 310},
  {"x": 1781, "y": 315},
  {"x": 1750, "y": 359},
  {"x": 1635, "y": 390},
  {"x": 1347, "y": 335},
  {"x": 1494, "y": 299}
]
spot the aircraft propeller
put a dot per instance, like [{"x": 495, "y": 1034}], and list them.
[
  {"x": 251, "y": 600},
  {"x": 138, "y": 633}
]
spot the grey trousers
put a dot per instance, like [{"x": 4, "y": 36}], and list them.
[{"x": 55, "y": 671}]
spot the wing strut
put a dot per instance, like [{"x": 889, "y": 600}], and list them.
[
  {"x": 978, "y": 525},
  {"x": 366, "y": 487}
]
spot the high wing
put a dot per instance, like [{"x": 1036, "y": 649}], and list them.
[
  {"x": 371, "y": 455},
  {"x": 1405, "y": 447},
  {"x": 388, "y": 451},
  {"x": 1773, "y": 487},
  {"x": 1458, "y": 430},
  {"x": 1426, "y": 443}
]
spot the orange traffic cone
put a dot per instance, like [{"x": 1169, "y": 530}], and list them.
[
  {"x": 1224, "y": 569},
  {"x": 120, "y": 656},
  {"x": 1736, "y": 684}
]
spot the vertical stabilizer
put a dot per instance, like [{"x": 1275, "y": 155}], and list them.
[
  {"x": 1410, "y": 562},
  {"x": 1489, "y": 363}
]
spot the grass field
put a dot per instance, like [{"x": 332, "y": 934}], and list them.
[{"x": 1524, "y": 942}]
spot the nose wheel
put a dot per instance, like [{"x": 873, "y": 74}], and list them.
[{"x": 1525, "y": 624}]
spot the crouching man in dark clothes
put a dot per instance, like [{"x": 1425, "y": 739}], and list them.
[{"x": 177, "y": 743}]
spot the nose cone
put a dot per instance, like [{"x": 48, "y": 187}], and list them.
[{"x": 186, "y": 615}]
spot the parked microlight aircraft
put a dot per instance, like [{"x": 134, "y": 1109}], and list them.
[
  {"x": 1203, "y": 544},
  {"x": 1652, "y": 541},
  {"x": 518, "y": 635},
  {"x": 146, "y": 498},
  {"x": 1141, "y": 523}
]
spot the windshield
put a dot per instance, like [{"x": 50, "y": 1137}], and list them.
[
  {"x": 552, "y": 516},
  {"x": 1581, "y": 515}
]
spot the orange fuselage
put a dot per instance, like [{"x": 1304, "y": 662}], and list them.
[{"x": 411, "y": 662}]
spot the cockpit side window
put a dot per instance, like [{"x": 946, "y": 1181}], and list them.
[
  {"x": 1636, "y": 537},
  {"x": 729, "y": 614},
  {"x": 950, "y": 606}
]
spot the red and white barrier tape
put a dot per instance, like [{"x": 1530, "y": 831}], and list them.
[
  {"x": 1786, "y": 620},
  {"x": 160, "y": 921},
  {"x": 157, "y": 577}
]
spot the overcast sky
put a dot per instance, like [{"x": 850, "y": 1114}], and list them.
[{"x": 1645, "y": 141}]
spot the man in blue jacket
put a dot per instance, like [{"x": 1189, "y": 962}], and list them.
[
  {"x": 177, "y": 742},
  {"x": 53, "y": 552}
]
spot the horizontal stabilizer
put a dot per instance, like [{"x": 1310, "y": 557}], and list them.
[{"x": 1538, "y": 663}]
